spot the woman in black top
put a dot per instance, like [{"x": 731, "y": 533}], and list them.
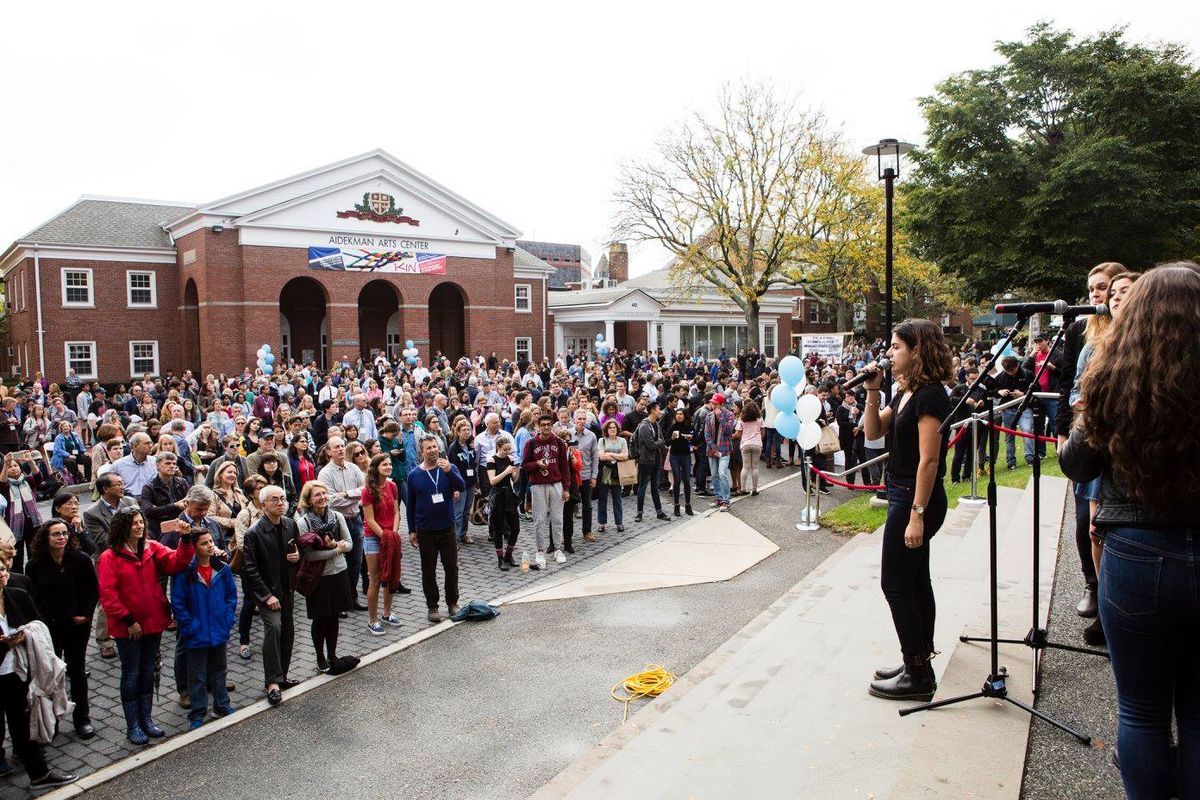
[
  {"x": 16, "y": 609},
  {"x": 921, "y": 361},
  {"x": 66, "y": 590},
  {"x": 679, "y": 453},
  {"x": 502, "y": 517}
]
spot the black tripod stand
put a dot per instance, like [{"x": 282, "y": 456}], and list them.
[
  {"x": 1038, "y": 637},
  {"x": 996, "y": 684}
]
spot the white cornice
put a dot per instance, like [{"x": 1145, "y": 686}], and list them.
[{"x": 20, "y": 250}]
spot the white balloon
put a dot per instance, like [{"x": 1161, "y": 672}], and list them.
[
  {"x": 810, "y": 434},
  {"x": 800, "y": 388},
  {"x": 808, "y": 408}
]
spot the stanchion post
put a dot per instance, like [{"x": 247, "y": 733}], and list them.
[
  {"x": 974, "y": 499},
  {"x": 809, "y": 523}
]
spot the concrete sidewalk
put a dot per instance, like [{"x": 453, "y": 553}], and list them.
[{"x": 781, "y": 710}]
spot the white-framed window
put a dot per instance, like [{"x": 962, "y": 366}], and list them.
[
  {"x": 768, "y": 342},
  {"x": 141, "y": 290},
  {"x": 24, "y": 295},
  {"x": 81, "y": 357},
  {"x": 143, "y": 358},
  {"x": 524, "y": 348},
  {"x": 77, "y": 287},
  {"x": 523, "y": 298}
]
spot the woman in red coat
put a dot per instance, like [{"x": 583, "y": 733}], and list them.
[{"x": 138, "y": 611}]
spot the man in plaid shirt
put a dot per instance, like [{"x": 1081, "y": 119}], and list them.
[{"x": 718, "y": 438}]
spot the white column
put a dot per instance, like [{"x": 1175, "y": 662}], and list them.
[
  {"x": 559, "y": 344},
  {"x": 652, "y": 336},
  {"x": 609, "y": 332}
]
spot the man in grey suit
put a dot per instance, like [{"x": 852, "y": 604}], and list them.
[{"x": 96, "y": 519}]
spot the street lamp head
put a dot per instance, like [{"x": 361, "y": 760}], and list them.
[{"x": 885, "y": 152}]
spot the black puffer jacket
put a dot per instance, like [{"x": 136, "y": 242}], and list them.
[{"x": 1082, "y": 463}]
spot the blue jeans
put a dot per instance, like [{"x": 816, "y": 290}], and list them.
[
  {"x": 1150, "y": 609},
  {"x": 904, "y": 572},
  {"x": 1051, "y": 407},
  {"x": 719, "y": 467},
  {"x": 648, "y": 474},
  {"x": 462, "y": 512},
  {"x": 605, "y": 492},
  {"x": 1025, "y": 424},
  {"x": 206, "y": 676},
  {"x": 770, "y": 448},
  {"x": 137, "y": 665},
  {"x": 354, "y": 557}
]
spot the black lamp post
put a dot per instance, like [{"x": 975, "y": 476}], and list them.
[{"x": 887, "y": 159}]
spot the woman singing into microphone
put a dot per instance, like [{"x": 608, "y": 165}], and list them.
[{"x": 920, "y": 361}]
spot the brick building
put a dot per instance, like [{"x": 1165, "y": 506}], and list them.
[{"x": 340, "y": 261}]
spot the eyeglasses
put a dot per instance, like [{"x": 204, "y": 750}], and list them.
[{"x": 59, "y": 534}]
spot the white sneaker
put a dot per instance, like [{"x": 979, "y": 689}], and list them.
[
  {"x": 540, "y": 560},
  {"x": 560, "y": 557}
]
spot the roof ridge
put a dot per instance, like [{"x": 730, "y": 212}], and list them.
[{"x": 141, "y": 201}]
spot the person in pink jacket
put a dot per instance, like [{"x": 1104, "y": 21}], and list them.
[{"x": 138, "y": 611}]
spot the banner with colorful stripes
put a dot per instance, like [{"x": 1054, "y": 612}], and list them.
[{"x": 357, "y": 260}]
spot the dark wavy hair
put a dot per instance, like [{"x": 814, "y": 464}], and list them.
[
  {"x": 118, "y": 530},
  {"x": 40, "y": 548},
  {"x": 376, "y": 481},
  {"x": 1153, "y": 345},
  {"x": 932, "y": 361}
]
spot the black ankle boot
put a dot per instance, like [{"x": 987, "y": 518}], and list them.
[
  {"x": 915, "y": 682},
  {"x": 885, "y": 673},
  {"x": 688, "y": 509},
  {"x": 502, "y": 563},
  {"x": 677, "y": 509}
]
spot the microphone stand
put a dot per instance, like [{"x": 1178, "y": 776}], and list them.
[
  {"x": 1038, "y": 637},
  {"x": 996, "y": 684}
]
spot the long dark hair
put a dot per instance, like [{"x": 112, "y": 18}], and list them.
[
  {"x": 1152, "y": 345},
  {"x": 118, "y": 530},
  {"x": 41, "y": 539},
  {"x": 932, "y": 361},
  {"x": 749, "y": 411},
  {"x": 376, "y": 481}
]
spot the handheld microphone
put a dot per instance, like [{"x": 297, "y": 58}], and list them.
[
  {"x": 1025, "y": 309},
  {"x": 881, "y": 365},
  {"x": 1083, "y": 311}
]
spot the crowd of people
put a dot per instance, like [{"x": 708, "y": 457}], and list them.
[{"x": 214, "y": 501}]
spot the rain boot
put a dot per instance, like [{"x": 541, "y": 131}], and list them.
[
  {"x": 146, "y": 706},
  {"x": 133, "y": 723},
  {"x": 915, "y": 682}
]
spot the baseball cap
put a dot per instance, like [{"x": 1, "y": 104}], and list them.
[{"x": 718, "y": 398}]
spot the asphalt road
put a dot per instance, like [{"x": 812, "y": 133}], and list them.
[{"x": 485, "y": 710}]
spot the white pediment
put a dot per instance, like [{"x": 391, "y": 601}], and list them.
[
  {"x": 300, "y": 202},
  {"x": 635, "y": 303}
]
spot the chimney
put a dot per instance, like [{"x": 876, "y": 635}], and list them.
[{"x": 618, "y": 262}]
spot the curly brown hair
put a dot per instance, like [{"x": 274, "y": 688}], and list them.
[
  {"x": 1155, "y": 346},
  {"x": 932, "y": 361}
]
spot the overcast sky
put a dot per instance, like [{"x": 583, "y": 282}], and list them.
[{"x": 524, "y": 108}]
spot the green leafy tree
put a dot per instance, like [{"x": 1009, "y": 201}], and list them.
[{"x": 1066, "y": 154}]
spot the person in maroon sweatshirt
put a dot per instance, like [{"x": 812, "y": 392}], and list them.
[{"x": 545, "y": 466}]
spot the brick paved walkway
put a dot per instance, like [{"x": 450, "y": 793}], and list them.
[{"x": 479, "y": 579}]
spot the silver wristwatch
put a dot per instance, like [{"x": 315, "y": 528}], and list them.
[{"x": 920, "y": 509}]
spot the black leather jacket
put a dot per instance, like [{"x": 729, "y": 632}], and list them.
[{"x": 1082, "y": 463}]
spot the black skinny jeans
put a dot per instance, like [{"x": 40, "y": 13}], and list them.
[
  {"x": 432, "y": 545},
  {"x": 905, "y": 571},
  {"x": 681, "y": 471},
  {"x": 15, "y": 707},
  {"x": 246, "y": 615},
  {"x": 70, "y": 644}
]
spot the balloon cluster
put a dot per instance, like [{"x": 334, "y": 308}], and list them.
[
  {"x": 603, "y": 348},
  {"x": 409, "y": 352},
  {"x": 794, "y": 406},
  {"x": 266, "y": 359}
]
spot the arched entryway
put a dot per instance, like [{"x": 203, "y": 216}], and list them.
[
  {"x": 447, "y": 321},
  {"x": 302, "y": 304},
  {"x": 191, "y": 328},
  {"x": 379, "y": 319}
]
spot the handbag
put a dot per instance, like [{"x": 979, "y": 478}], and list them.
[
  {"x": 627, "y": 472},
  {"x": 829, "y": 441}
]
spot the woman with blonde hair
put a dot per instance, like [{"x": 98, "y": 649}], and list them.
[
  {"x": 323, "y": 537},
  {"x": 1150, "y": 486},
  {"x": 230, "y": 500}
]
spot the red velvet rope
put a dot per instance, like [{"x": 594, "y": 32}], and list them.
[
  {"x": 961, "y": 433},
  {"x": 1022, "y": 434},
  {"x": 860, "y": 487}
]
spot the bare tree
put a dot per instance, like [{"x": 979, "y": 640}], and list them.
[{"x": 740, "y": 197}]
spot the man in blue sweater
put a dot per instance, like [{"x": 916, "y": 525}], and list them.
[{"x": 429, "y": 503}]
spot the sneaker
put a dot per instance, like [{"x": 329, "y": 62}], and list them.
[
  {"x": 754, "y": 493},
  {"x": 620, "y": 529},
  {"x": 826, "y": 492},
  {"x": 54, "y": 778},
  {"x": 224, "y": 712},
  {"x": 185, "y": 701},
  {"x": 560, "y": 557},
  {"x": 376, "y": 628},
  {"x": 391, "y": 619},
  {"x": 244, "y": 652},
  {"x": 663, "y": 515},
  {"x": 539, "y": 561},
  {"x": 638, "y": 518},
  {"x": 195, "y": 724},
  {"x": 723, "y": 506},
  {"x": 452, "y": 610},
  {"x": 434, "y": 616}
]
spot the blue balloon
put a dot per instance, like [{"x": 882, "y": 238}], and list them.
[
  {"x": 783, "y": 397},
  {"x": 791, "y": 370},
  {"x": 269, "y": 358},
  {"x": 267, "y": 347},
  {"x": 599, "y": 337},
  {"x": 268, "y": 369},
  {"x": 787, "y": 425},
  {"x": 412, "y": 360},
  {"x": 408, "y": 343}
]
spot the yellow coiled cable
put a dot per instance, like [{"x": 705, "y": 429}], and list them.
[{"x": 650, "y": 683}]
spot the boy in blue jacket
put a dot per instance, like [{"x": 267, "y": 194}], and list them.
[{"x": 204, "y": 600}]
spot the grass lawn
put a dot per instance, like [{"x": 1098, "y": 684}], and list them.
[{"x": 857, "y": 515}]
